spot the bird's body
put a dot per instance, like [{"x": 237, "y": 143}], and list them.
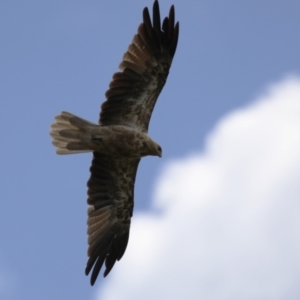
[
  {"x": 121, "y": 138},
  {"x": 75, "y": 135}
]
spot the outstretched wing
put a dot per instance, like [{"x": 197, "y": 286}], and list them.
[
  {"x": 145, "y": 67},
  {"x": 110, "y": 191}
]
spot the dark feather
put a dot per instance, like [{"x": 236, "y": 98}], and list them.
[{"x": 156, "y": 18}]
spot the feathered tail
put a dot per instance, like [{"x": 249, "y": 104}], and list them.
[{"x": 71, "y": 134}]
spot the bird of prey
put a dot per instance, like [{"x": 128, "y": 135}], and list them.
[{"x": 120, "y": 139}]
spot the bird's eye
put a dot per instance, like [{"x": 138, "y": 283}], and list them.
[
  {"x": 159, "y": 148},
  {"x": 97, "y": 139}
]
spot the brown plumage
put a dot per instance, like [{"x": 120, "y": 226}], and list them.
[{"x": 120, "y": 139}]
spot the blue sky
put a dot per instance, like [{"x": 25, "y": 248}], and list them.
[{"x": 60, "y": 55}]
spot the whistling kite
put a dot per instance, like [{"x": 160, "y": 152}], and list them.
[{"x": 120, "y": 139}]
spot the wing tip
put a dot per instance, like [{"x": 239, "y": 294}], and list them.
[{"x": 168, "y": 30}]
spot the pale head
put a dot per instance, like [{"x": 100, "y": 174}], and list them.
[
  {"x": 150, "y": 147},
  {"x": 158, "y": 150}
]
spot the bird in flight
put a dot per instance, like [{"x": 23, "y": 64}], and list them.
[{"x": 120, "y": 139}]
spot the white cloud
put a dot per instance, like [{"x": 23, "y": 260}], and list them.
[{"x": 229, "y": 223}]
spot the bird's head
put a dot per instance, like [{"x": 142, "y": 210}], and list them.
[
  {"x": 155, "y": 149},
  {"x": 158, "y": 150}
]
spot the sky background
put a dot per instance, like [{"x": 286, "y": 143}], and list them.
[{"x": 217, "y": 216}]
